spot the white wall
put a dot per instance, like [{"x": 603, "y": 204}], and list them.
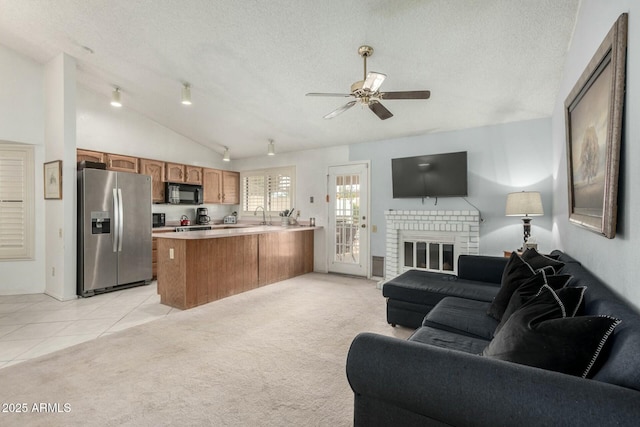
[
  {"x": 22, "y": 120},
  {"x": 614, "y": 261},
  {"x": 102, "y": 127},
  {"x": 312, "y": 167},
  {"x": 501, "y": 159}
]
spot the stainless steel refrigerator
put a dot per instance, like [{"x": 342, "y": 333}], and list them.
[{"x": 114, "y": 230}]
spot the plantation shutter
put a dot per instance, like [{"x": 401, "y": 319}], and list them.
[
  {"x": 252, "y": 192},
  {"x": 279, "y": 197},
  {"x": 272, "y": 189},
  {"x": 16, "y": 202}
]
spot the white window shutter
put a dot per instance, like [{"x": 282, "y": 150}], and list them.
[{"x": 16, "y": 202}]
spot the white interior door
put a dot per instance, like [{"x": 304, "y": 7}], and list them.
[{"x": 349, "y": 219}]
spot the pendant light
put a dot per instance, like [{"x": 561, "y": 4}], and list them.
[
  {"x": 271, "y": 148},
  {"x": 226, "y": 157},
  {"x": 115, "y": 97},
  {"x": 186, "y": 94}
]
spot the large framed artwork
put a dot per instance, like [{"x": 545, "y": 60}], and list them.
[{"x": 593, "y": 117}]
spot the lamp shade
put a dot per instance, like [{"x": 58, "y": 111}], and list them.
[{"x": 524, "y": 203}]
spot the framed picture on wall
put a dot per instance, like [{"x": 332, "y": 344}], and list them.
[
  {"x": 53, "y": 180},
  {"x": 593, "y": 118}
]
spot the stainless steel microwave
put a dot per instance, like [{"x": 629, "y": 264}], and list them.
[{"x": 178, "y": 193}]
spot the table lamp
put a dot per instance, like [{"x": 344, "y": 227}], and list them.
[{"x": 525, "y": 204}]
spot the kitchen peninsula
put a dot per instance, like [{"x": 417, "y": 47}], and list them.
[{"x": 198, "y": 267}]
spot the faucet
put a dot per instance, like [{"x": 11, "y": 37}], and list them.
[{"x": 264, "y": 220}]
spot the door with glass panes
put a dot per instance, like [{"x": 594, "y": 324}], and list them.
[{"x": 348, "y": 219}]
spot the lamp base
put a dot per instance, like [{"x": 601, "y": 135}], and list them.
[{"x": 526, "y": 225}]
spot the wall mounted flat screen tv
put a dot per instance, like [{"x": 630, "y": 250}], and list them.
[{"x": 433, "y": 175}]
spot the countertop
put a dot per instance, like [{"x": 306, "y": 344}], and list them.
[{"x": 228, "y": 230}]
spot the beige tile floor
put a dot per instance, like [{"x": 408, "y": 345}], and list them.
[{"x": 33, "y": 325}]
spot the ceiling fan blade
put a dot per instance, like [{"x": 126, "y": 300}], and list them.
[
  {"x": 410, "y": 94},
  {"x": 380, "y": 110},
  {"x": 341, "y": 95},
  {"x": 373, "y": 81},
  {"x": 340, "y": 110}
]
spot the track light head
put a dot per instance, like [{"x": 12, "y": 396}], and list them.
[
  {"x": 226, "y": 157},
  {"x": 271, "y": 148}
]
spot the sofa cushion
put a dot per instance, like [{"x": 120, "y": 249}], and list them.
[
  {"x": 539, "y": 261},
  {"x": 539, "y": 334},
  {"x": 529, "y": 289},
  {"x": 515, "y": 273},
  {"x": 462, "y": 316},
  {"x": 422, "y": 287},
  {"x": 449, "y": 340}
]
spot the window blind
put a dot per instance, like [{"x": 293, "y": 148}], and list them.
[{"x": 16, "y": 202}]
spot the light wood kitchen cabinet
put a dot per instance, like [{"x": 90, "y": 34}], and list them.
[
  {"x": 193, "y": 175},
  {"x": 174, "y": 172},
  {"x": 116, "y": 162},
  {"x": 212, "y": 185},
  {"x": 155, "y": 169},
  {"x": 89, "y": 156},
  {"x": 230, "y": 187}
]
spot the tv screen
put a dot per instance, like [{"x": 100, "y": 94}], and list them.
[{"x": 434, "y": 175}]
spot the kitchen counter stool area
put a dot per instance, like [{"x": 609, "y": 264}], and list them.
[{"x": 198, "y": 267}]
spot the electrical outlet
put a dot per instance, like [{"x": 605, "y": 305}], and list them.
[
  {"x": 53, "y": 271},
  {"x": 170, "y": 253},
  {"x": 60, "y": 232},
  {"x": 311, "y": 199}
]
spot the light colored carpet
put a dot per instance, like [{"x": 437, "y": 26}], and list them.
[{"x": 274, "y": 356}]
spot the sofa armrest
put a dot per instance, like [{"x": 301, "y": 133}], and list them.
[
  {"x": 481, "y": 268},
  {"x": 458, "y": 388}
]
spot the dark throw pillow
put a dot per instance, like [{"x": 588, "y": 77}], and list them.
[
  {"x": 539, "y": 334},
  {"x": 515, "y": 273},
  {"x": 529, "y": 289},
  {"x": 538, "y": 261}
]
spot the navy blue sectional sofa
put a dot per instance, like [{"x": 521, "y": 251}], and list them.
[{"x": 455, "y": 370}]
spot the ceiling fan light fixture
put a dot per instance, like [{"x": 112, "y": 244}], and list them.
[
  {"x": 226, "y": 156},
  {"x": 271, "y": 148},
  {"x": 186, "y": 94},
  {"x": 115, "y": 97}
]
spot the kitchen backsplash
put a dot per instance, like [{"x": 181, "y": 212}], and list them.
[{"x": 174, "y": 212}]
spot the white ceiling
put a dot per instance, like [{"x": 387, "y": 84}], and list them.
[{"x": 251, "y": 62}]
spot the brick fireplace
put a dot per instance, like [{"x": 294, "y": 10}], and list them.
[{"x": 430, "y": 240}]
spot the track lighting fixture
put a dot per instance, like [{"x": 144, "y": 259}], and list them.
[
  {"x": 226, "y": 156},
  {"x": 186, "y": 94},
  {"x": 271, "y": 148},
  {"x": 115, "y": 97}
]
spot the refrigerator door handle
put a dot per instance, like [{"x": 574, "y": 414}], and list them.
[
  {"x": 120, "y": 220},
  {"x": 116, "y": 220}
]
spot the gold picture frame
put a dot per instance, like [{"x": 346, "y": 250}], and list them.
[
  {"x": 593, "y": 118},
  {"x": 53, "y": 179}
]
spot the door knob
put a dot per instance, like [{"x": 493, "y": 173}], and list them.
[{"x": 364, "y": 226}]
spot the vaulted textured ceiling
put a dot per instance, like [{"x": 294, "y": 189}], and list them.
[{"x": 250, "y": 63}]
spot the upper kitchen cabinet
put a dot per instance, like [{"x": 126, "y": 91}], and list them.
[
  {"x": 89, "y": 156},
  {"x": 212, "y": 185},
  {"x": 193, "y": 175},
  {"x": 116, "y": 162},
  {"x": 155, "y": 169},
  {"x": 230, "y": 187},
  {"x": 174, "y": 172}
]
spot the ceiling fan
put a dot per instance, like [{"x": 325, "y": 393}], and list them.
[{"x": 366, "y": 91}]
